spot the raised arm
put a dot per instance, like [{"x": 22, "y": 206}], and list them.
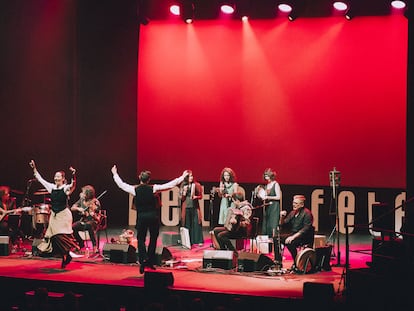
[
  {"x": 48, "y": 186},
  {"x": 172, "y": 183},
  {"x": 120, "y": 183},
  {"x": 71, "y": 187}
]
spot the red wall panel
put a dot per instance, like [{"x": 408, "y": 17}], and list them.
[{"x": 301, "y": 97}]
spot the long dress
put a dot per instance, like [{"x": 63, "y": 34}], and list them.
[
  {"x": 193, "y": 214},
  {"x": 225, "y": 203}
]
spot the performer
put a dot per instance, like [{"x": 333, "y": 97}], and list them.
[
  {"x": 228, "y": 186},
  {"x": 89, "y": 207},
  {"x": 59, "y": 234},
  {"x": 271, "y": 207},
  {"x": 191, "y": 192},
  {"x": 237, "y": 224},
  {"x": 300, "y": 230},
  {"x": 7, "y": 204},
  {"x": 147, "y": 205}
]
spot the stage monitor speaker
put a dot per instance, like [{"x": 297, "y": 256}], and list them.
[
  {"x": 162, "y": 254},
  {"x": 219, "y": 259},
  {"x": 249, "y": 262},
  {"x": 4, "y": 245},
  {"x": 323, "y": 258},
  {"x": 170, "y": 238},
  {"x": 158, "y": 279},
  {"x": 383, "y": 219},
  {"x": 318, "y": 292},
  {"x": 388, "y": 255},
  {"x": 120, "y": 253}
]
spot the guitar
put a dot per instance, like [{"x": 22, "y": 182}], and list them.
[{"x": 4, "y": 212}]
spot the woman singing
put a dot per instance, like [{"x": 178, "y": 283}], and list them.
[{"x": 59, "y": 230}]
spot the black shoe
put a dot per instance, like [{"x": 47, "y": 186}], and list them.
[
  {"x": 66, "y": 259},
  {"x": 152, "y": 267},
  {"x": 142, "y": 267}
]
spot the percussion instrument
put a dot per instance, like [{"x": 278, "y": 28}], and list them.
[
  {"x": 41, "y": 192},
  {"x": 260, "y": 192},
  {"x": 126, "y": 236},
  {"x": 41, "y": 213},
  {"x": 306, "y": 260}
]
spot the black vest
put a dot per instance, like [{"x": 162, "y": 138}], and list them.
[
  {"x": 145, "y": 200},
  {"x": 59, "y": 200}
]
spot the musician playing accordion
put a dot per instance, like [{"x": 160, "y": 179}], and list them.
[{"x": 236, "y": 226}]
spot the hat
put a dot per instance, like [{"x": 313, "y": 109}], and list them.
[{"x": 299, "y": 197}]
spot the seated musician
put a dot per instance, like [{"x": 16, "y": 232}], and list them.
[
  {"x": 236, "y": 225},
  {"x": 7, "y": 205},
  {"x": 89, "y": 208},
  {"x": 297, "y": 229}
]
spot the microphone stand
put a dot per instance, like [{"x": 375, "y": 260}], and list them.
[
  {"x": 211, "y": 210},
  {"x": 335, "y": 177}
]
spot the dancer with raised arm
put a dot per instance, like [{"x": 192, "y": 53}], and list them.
[
  {"x": 147, "y": 205},
  {"x": 59, "y": 234}
]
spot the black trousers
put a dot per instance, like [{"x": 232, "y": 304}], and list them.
[{"x": 147, "y": 222}]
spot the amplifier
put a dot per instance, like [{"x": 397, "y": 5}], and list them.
[
  {"x": 4, "y": 245},
  {"x": 219, "y": 259},
  {"x": 120, "y": 253}
]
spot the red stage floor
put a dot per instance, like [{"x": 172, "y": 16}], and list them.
[{"x": 187, "y": 271}]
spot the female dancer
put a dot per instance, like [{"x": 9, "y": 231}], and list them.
[
  {"x": 59, "y": 231},
  {"x": 228, "y": 186}
]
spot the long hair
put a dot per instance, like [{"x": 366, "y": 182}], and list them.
[
  {"x": 233, "y": 177},
  {"x": 89, "y": 192}
]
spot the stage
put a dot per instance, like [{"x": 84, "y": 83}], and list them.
[{"x": 117, "y": 281}]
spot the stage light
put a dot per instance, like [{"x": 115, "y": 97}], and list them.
[
  {"x": 187, "y": 11},
  {"x": 292, "y": 16},
  {"x": 227, "y": 7},
  {"x": 398, "y": 4},
  {"x": 285, "y": 7},
  {"x": 349, "y": 14},
  {"x": 340, "y": 6},
  {"x": 291, "y": 8},
  {"x": 243, "y": 9},
  {"x": 175, "y": 9}
]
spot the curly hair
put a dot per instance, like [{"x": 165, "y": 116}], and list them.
[
  {"x": 89, "y": 192},
  {"x": 233, "y": 177}
]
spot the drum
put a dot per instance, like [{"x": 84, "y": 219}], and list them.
[
  {"x": 41, "y": 213},
  {"x": 260, "y": 192},
  {"x": 306, "y": 260},
  {"x": 126, "y": 236},
  {"x": 247, "y": 211}
]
